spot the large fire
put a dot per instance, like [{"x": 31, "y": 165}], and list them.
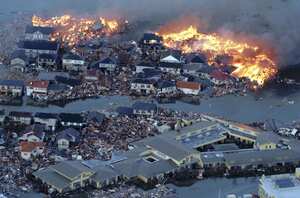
[
  {"x": 71, "y": 29},
  {"x": 250, "y": 60}
]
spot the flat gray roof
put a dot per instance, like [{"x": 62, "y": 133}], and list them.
[
  {"x": 50, "y": 177},
  {"x": 70, "y": 169},
  {"x": 251, "y": 157}
]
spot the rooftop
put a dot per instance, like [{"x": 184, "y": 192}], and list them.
[
  {"x": 40, "y": 45},
  {"x": 281, "y": 186},
  {"x": 17, "y": 83},
  {"x": 188, "y": 85},
  {"x": 38, "y": 84},
  {"x": 44, "y": 30},
  {"x": 30, "y": 146}
]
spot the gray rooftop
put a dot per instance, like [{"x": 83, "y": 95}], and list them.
[
  {"x": 70, "y": 169},
  {"x": 50, "y": 177},
  {"x": 251, "y": 157}
]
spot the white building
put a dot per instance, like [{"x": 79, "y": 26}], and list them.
[
  {"x": 143, "y": 86},
  {"x": 73, "y": 62},
  {"x": 139, "y": 68},
  {"x": 48, "y": 119},
  {"x": 280, "y": 186},
  {"x": 38, "y": 33},
  {"x": 37, "y": 89},
  {"x": 21, "y": 117},
  {"x": 31, "y": 149},
  {"x": 108, "y": 64}
]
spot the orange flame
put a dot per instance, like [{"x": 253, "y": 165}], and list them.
[
  {"x": 250, "y": 60},
  {"x": 71, "y": 30}
]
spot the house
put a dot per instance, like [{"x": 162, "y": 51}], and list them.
[
  {"x": 267, "y": 141},
  {"x": 33, "y": 33},
  {"x": 50, "y": 120},
  {"x": 170, "y": 67},
  {"x": 33, "y": 133},
  {"x": 194, "y": 65},
  {"x": 71, "y": 120},
  {"x": 73, "y": 62},
  {"x": 165, "y": 87},
  {"x": 151, "y": 39},
  {"x": 2, "y": 116},
  {"x": 144, "y": 65},
  {"x": 34, "y": 48},
  {"x": 142, "y": 108},
  {"x": 65, "y": 176},
  {"x": 189, "y": 88},
  {"x": 46, "y": 60},
  {"x": 172, "y": 58},
  {"x": 31, "y": 149},
  {"x": 142, "y": 86},
  {"x": 67, "y": 137},
  {"x": 21, "y": 117},
  {"x": 219, "y": 78},
  {"x": 37, "y": 89},
  {"x": 108, "y": 64},
  {"x": 19, "y": 60},
  {"x": 11, "y": 88}
]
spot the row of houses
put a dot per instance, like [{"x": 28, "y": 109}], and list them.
[
  {"x": 50, "y": 120},
  {"x": 160, "y": 87},
  {"x": 156, "y": 158},
  {"x": 151, "y": 159}
]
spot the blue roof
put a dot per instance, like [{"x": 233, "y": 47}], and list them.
[
  {"x": 124, "y": 111},
  {"x": 284, "y": 183},
  {"x": 47, "y": 56},
  {"x": 17, "y": 83},
  {"x": 72, "y": 56},
  {"x": 71, "y": 117},
  {"x": 46, "y": 115},
  {"x": 40, "y": 45},
  {"x": 144, "y": 106},
  {"x": 108, "y": 60},
  {"x": 43, "y": 30},
  {"x": 68, "y": 134},
  {"x": 141, "y": 81}
]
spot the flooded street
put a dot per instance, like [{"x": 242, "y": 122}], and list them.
[{"x": 250, "y": 108}]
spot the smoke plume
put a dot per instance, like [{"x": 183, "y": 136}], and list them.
[{"x": 274, "y": 22}]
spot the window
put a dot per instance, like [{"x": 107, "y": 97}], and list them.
[{"x": 150, "y": 159}]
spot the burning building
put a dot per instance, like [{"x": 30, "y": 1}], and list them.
[
  {"x": 250, "y": 60},
  {"x": 71, "y": 30}
]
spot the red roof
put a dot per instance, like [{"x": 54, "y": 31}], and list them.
[
  {"x": 38, "y": 84},
  {"x": 188, "y": 85},
  {"x": 218, "y": 75},
  {"x": 30, "y": 146}
]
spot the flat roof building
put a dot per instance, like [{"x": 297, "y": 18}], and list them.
[{"x": 279, "y": 186}]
